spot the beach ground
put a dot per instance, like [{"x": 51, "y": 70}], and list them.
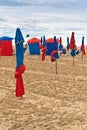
[{"x": 51, "y": 101}]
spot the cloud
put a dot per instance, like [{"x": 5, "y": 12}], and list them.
[
  {"x": 46, "y": 3},
  {"x": 38, "y": 18},
  {"x": 12, "y": 3}
]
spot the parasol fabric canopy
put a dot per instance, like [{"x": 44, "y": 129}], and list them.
[
  {"x": 67, "y": 43},
  {"x": 44, "y": 48},
  {"x": 41, "y": 45},
  {"x": 72, "y": 42},
  {"x": 83, "y": 46},
  {"x": 20, "y": 67},
  {"x": 60, "y": 44},
  {"x": 54, "y": 54}
]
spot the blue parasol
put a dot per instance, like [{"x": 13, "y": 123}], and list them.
[
  {"x": 60, "y": 44},
  {"x": 41, "y": 40},
  {"x": 67, "y": 43},
  {"x": 41, "y": 43},
  {"x": 54, "y": 54},
  {"x": 44, "y": 48},
  {"x": 20, "y": 67},
  {"x": 19, "y": 47},
  {"x": 83, "y": 47}
]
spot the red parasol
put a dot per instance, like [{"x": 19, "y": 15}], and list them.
[
  {"x": 72, "y": 42},
  {"x": 72, "y": 46}
]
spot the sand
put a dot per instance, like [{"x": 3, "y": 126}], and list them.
[{"x": 51, "y": 101}]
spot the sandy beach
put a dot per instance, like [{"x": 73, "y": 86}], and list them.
[{"x": 51, "y": 101}]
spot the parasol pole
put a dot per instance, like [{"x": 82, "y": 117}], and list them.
[
  {"x": 73, "y": 61},
  {"x": 82, "y": 57},
  {"x": 0, "y": 50},
  {"x": 0, "y": 53},
  {"x": 56, "y": 65}
]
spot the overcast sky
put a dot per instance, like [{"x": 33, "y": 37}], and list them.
[{"x": 44, "y": 17}]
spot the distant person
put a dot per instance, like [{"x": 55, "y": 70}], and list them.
[
  {"x": 25, "y": 47},
  {"x": 14, "y": 52}
]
